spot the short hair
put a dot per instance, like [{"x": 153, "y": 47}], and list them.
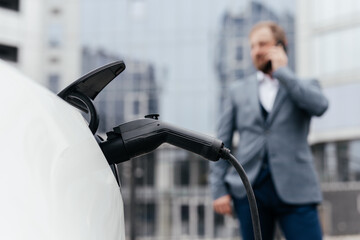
[{"x": 277, "y": 31}]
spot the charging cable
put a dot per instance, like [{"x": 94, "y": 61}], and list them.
[
  {"x": 142, "y": 136},
  {"x": 225, "y": 154}
]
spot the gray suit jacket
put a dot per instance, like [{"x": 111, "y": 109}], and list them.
[{"x": 284, "y": 135}]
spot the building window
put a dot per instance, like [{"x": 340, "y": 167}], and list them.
[
  {"x": 54, "y": 60},
  {"x": 8, "y": 53},
  {"x": 145, "y": 170},
  {"x": 56, "y": 11},
  {"x": 153, "y": 104},
  {"x": 118, "y": 111},
  {"x": 182, "y": 173},
  {"x": 146, "y": 216},
  {"x": 202, "y": 172},
  {"x": 338, "y": 161},
  {"x": 55, "y": 35},
  {"x": 53, "y": 82},
  {"x": 239, "y": 53},
  {"x": 201, "y": 220},
  {"x": 219, "y": 225},
  {"x": 137, "y": 78},
  {"x": 239, "y": 74},
  {"x": 136, "y": 107},
  {"x": 185, "y": 219},
  {"x": 10, "y": 4}
]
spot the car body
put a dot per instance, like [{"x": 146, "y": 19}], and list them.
[{"x": 54, "y": 178}]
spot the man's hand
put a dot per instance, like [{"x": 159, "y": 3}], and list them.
[
  {"x": 278, "y": 57},
  {"x": 222, "y": 205}
]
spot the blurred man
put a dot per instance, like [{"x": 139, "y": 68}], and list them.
[{"x": 271, "y": 111}]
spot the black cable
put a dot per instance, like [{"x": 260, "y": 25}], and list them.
[{"x": 225, "y": 154}]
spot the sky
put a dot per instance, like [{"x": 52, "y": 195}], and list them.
[{"x": 179, "y": 37}]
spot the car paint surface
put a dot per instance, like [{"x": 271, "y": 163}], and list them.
[{"x": 55, "y": 182}]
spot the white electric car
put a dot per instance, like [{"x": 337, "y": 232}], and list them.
[{"x": 55, "y": 181}]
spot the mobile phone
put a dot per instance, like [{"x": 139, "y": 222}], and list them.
[{"x": 268, "y": 66}]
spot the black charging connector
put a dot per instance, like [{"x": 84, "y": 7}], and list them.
[{"x": 142, "y": 136}]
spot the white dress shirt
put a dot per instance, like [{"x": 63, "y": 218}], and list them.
[{"x": 268, "y": 88}]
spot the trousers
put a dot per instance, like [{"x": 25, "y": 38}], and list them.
[{"x": 297, "y": 221}]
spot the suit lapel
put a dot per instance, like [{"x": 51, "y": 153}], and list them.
[{"x": 279, "y": 99}]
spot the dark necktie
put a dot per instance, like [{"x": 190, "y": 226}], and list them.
[{"x": 264, "y": 113}]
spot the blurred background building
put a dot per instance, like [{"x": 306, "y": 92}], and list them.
[
  {"x": 180, "y": 56},
  {"x": 327, "y": 45},
  {"x": 41, "y": 38}
]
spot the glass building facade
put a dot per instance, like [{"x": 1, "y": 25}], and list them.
[{"x": 327, "y": 46}]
